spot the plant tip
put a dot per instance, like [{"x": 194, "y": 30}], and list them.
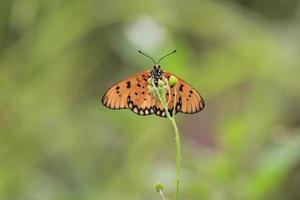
[{"x": 158, "y": 187}]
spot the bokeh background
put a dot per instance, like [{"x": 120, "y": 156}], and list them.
[{"x": 58, "y": 57}]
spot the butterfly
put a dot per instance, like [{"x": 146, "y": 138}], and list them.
[{"x": 132, "y": 93}]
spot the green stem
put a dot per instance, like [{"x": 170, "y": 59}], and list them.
[
  {"x": 162, "y": 195},
  {"x": 162, "y": 99},
  {"x": 178, "y": 157}
]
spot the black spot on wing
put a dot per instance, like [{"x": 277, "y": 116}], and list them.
[
  {"x": 128, "y": 84},
  {"x": 140, "y": 111},
  {"x": 181, "y": 88}
]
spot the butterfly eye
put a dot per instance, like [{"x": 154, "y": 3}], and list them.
[{"x": 156, "y": 66}]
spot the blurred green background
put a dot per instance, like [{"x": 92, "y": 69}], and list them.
[{"x": 58, "y": 57}]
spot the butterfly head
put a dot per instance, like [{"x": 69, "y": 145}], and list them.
[
  {"x": 157, "y": 73},
  {"x": 156, "y": 66}
]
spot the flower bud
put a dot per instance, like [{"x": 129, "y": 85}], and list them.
[
  {"x": 158, "y": 187},
  {"x": 173, "y": 80},
  {"x": 150, "y": 81},
  {"x": 150, "y": 88},
  {"x": 161, "y": 83}
]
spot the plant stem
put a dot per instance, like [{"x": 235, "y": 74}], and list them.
[
  {"x": 162, "y": 195},
  {"x": 178, "y": 157},
  {"x": 162, "y": 99}
]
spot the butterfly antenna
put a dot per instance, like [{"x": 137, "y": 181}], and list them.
[
  {"x": 147, "y": 56},
  {"x": 166, "y": 56}
]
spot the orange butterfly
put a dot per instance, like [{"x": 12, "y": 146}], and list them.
[{"x": 133, "y": 93}]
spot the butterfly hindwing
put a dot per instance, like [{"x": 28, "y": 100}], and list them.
[{"x": 141, "y": 102}]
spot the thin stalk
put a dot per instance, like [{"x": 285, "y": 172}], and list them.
[
  {"x": 162, "y": 99},
  {"x": 178, "y": 157},
  {"x": 162, "y": 195}
]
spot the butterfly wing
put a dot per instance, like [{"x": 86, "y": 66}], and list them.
[
  {"x": 131, "y": 93},
  {"x": 188, "y": 99}
]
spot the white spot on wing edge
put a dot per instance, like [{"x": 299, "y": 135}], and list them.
[
  {"x": 130, "y": 105},
  {"x": 135, "y": 110},
  {"x": 141, "y": 112},
  {"x": 178, "y": 107}
]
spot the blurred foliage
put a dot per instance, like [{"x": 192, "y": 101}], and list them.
[{"x": 57, "y": 58}]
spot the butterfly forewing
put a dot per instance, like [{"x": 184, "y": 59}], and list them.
[
  {"x": 131, "y": 93},
  {"x": 117, "y": 96},
  {"x": 188, "y": 100}
]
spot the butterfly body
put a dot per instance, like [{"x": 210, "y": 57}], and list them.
[
  {"x": 157, "y": 74},
  {"x": 132, "y": 93}
]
